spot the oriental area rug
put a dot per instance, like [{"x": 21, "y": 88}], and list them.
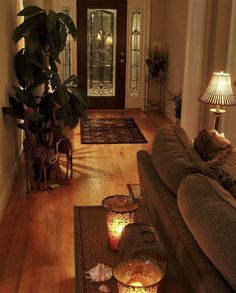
[
  {"x": 110, "y": 131},
  {"x": 91, "y": 248}
]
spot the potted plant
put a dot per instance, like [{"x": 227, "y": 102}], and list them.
[
  {"x": 177, "y": 99},
  {"x": 56, "y": 103},
  {"x": 157, "y": 62}
]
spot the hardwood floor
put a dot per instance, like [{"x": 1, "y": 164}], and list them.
[{"x": 36, "y": 233}]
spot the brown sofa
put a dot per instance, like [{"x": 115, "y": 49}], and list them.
[{"x": 194, "y": 216}]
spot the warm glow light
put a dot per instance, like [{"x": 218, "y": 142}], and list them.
[
  {"x": 109, "y": 40},
  {"x": 99, "y": 37},
  {"x": 219, "y": 90},
  {"x": 115, "y": 224},
  {"x": 136, "y": 284},
  {"x": 120, "y": 212},
  {"x": 138, "y": 275}
]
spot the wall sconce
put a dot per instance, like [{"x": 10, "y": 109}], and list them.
[
  {"x": 220, "y": 93},
  {"x": 119, "y": 212},
  {"x": 138, "y": 275}
]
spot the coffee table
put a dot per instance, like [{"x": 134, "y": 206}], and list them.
[{"x": 91, "y": 247}]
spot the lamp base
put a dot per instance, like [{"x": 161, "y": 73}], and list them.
[{"x": 217, "y": 113}]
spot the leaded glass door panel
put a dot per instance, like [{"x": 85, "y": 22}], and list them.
[{"x": 101, "y": 51}]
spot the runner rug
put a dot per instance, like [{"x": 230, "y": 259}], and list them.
[
  {"x": 110, "y": 130},
  {"x": 91, "y": 247}
]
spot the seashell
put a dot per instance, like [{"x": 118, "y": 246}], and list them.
[
  {"x": 104, "y": 289},
  {"x": 100, "y": 273}
]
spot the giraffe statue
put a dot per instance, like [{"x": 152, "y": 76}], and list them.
[
  {"x": 34, "y": 152},
  {"x": 65, "y": 145}
]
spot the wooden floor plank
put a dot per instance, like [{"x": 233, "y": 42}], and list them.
[{"x": 36, "y": 234}]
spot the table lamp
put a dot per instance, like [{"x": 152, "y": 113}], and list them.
[{"x": 220, "y": 93}]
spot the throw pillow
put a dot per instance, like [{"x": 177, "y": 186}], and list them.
[
  {"x": 212, "y": 146},
  {"x": 224, "y": 178}
]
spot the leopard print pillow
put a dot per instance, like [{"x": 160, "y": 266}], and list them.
[
  {"x": 223, "y": 177},
  {"x": 212, "y": 146}
]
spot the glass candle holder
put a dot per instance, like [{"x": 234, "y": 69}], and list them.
[
  {"x": 138, "y": 275},
  {"x": 119, "y": 212}
]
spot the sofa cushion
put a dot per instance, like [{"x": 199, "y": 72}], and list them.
[
  {"x": 174, "y": 156},
  {"x": 212, "y": 145},
  {"x": 210, "y": 214},
  {"x": 191, "y": 268}
]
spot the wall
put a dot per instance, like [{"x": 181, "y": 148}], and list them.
[
  {"x": 176, "y": 14},
  {"x": 157, "y": 22},
  {"x": 10, "y": 137},
  {"x": 168, "y": 26},
  {"x": 217, "y": 41},
  {"x": 229, "y": 125},
  {"x": 206, "y": 51}
]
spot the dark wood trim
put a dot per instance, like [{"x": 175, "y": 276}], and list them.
[{"x": 118, "y": 101}]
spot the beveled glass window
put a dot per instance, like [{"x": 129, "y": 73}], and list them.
[
  {"x": 101, "y": 56},
  {"x": 135, "y": 53}
]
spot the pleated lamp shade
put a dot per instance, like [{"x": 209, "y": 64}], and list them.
[{"x": 219, "y": 91}]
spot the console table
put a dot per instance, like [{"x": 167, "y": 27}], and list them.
[
  {"x": 157, "y": 104},
  {"x": 91, "y": 247}
]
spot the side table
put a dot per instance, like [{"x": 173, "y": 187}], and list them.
[{"x": 157, "y": 104}]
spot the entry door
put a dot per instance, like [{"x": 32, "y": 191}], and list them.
[{"x": 101, "y": 52}]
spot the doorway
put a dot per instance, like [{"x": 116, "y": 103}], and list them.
[{"x": 101, "y": 52}]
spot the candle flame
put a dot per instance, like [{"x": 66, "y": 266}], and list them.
[{"x": 136, "y": 284}]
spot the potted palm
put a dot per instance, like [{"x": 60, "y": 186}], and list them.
[{"x": 36, "y": 68}]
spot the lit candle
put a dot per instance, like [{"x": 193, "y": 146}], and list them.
[
  {"x": 115, "y": 224},
  {"x": 120, "y": 212},
  {"x": 136, "y": 284},
  {"x": 138, "y": 275}
]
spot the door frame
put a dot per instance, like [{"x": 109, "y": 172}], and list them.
[
  {"x": 145, "y": 6},
  {"x": 106, "y": 102}
]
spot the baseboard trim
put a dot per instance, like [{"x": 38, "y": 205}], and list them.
[{"x": 7, "y": 191}]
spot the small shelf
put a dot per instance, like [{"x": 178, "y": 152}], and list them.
[{"x": 157, "y": 104}]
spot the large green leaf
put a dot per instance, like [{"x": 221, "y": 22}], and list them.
[
  {"x": 63, "y": 94},
  {"x": 22, "y": 29},
  {"x": 67, "y": 20},
  {"x": 53, "y": 64},
  {"x": 24, "y": 67},
  {"x": 63, "y": 36},
  {"x": 73, "y": 78},
  {"x": 26, "y": 98},
  {"x": 41, "y": 80},
  {"x": 52, "y": 20},
  {"x": 77, "y": 94},
  {"x": 12, "y": 112},
  {"x": 34, "y": 46},
  {"x": 19, "y": 64},
  {"x": 30, "y": 10}
]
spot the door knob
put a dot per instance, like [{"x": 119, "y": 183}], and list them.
[{"x": 122, "y": 60}]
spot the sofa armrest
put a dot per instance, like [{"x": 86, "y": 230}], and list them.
[
  {"x": 192, "y": 269},
  {"x": 211, "y": 220}
]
